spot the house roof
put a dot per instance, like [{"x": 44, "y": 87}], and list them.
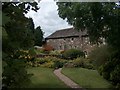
[{"x": 64, "y": 33}]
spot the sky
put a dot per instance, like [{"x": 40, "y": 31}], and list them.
[{"x": 47, "y": 17}]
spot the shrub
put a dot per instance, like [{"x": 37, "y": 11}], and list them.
[
  {"x": 88, "y": 64},
  {"x": 15, "y": 74},
  {"x": 99, "y": 55},
  {"x": 83, "y": 62},
  {"x": 115, "y": 75},
  {"x": 39, "y": 51},
  {"x": 41, "y": 61},
  {"x": 55, "y": 52},
  {"x": 32, "y": 51},
  {"x": 31, "y": 55},
  {"x": 69, "y": 65},
  {"x": 73, "y": 53},
  {"x": 49, "y": 61},
  {"x": 58, "y": 64},
  {"x": 79, "y": 62},
  {"x": 48, "y": 64},
  {"x": 111, "y": 69}
]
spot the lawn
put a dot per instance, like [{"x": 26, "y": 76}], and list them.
[
  {"x": 86, "y": 78},
  {"x": 44, "y": 78}
]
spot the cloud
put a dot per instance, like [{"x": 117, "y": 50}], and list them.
[{"x": 47, "y": 17}]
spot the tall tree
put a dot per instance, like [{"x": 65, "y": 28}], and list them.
[
  {"x": 38, "y": 36},
  {"x": 17, "y": 36},
  {"x": 100, "y": 19}
]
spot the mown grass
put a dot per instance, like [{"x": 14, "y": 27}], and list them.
[
  {"x": 44, "y": 78},
  {"x": 86, "y": 78}
]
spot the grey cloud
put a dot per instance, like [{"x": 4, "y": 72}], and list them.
[{"x": 47, "y": 17}]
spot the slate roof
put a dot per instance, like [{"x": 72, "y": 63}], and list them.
[{"x": 64, "y": 33}]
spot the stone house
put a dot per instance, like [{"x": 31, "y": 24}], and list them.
[{"x": 68, "y": 39}]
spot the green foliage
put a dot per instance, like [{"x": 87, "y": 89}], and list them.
[
  {"x": 84, "y": 63},
  {"x": 55, "y": 52},
  {"x": 4, "y": 37},
  {"x": 14, "y": 6},
  {"x": 73, "y": 53},
  {"x": 19, "y": 28},
  {"x": 5, "y": 19},
  {"x": 106, "y": 59},
  {"x": 111, "y": 69},
  {"x": 17, "y": 36},
  {"x": 100, "y": 55},
  {"x": 79, "y": 62},
  {"x": 58, "y": 64},
  {"x": 15, "y": 74},
  {"x": 41, "y": 60},
  {"x": 115, "y": 75},
  {"x": 39, "y": 51},
  {"x": 100, "y": 18},
  {"x": 38, "y": 36},
  {"x": 4, "y": 34},
  {"x": 32, "y": 51},
  {"x": 69, "y": 65},
  {"x": 50, "y": 62}
]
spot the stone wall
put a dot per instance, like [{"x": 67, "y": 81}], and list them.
[{"x": 72, "y": 42}]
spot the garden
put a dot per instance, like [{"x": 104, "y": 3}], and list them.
[
  {"x": 25, "y": 67},
  {"x": 82, "y": 70}
]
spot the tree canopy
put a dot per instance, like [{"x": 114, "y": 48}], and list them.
[
  {"x": 101, "y": 19},
  {"x": 18, "y": 34},
  {"x": 38, "y": 36}
]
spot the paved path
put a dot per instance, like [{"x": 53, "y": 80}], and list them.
[{"x": 66, "y": 80}]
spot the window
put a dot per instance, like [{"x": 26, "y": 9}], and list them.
[
  {"x": 72, "y": 39},
  {"x": 75, "y": 47},
  {"x": 85, "y": 52},
  {"x": 60, "y": 47}
]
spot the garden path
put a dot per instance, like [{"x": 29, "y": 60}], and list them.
[{"x": 66, "y": 80}]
